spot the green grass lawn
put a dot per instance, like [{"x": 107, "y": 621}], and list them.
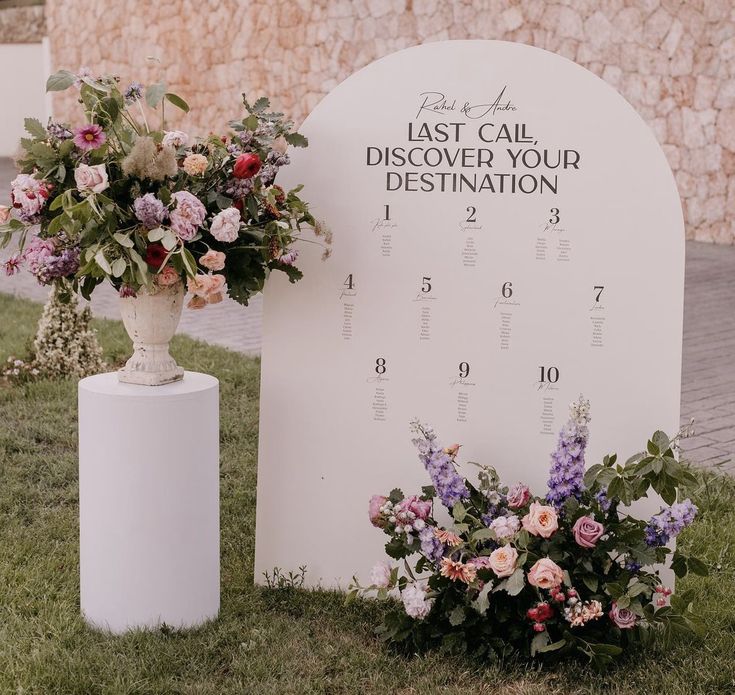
[{"x": 266, "y": 641}]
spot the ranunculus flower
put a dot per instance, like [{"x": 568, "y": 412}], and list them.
[
  {"x": 175, "y": 138},
  {"x": 91, "y": 178},
  {"x": 541, "y": 520},
  {"x": 213, "y": 260},
  {"x": 167, "y": 277},
  {"x": 624, "y": 618},
  {"x": 246, "y": 166},
  {"x": 4, "y": 214},
  {"x": 155, "y": 255},
  {"x": 503, "y": 560},
  {"x": 376, "y": 518},
  {"x": 518, "y": 496},
  {"x": 226, "y": 225},
  {"x": 380, "y": 575},
  {"x": 89, "y": 137},
  {"x": 195, "y": 164},
  {"x": 587, "y": 531},
  {"x": 414, "y": 600},
  {"x": 545, "y": 574},
  {"x": 541, "y": 613},
  {"x": 187, "y": 216}
]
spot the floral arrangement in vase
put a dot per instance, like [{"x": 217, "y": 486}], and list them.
[
  {"x": 572, "y": 573},
  {"x": 115, "y": 198}
]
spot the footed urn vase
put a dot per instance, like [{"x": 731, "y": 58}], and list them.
[{"x": 151, "y": 319}]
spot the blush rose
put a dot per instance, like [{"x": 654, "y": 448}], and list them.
[
  {"x": 587, "y": 531},
  {"x": 503, "y": 560},
  {"x": 545, "y": 574},
  {"x": 541, "y": 520}
]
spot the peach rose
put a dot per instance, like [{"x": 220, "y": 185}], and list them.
[
  {"x": 213, "y": 260},
  {"x": 545, "y": 574},
  {"x": 196, "y": 302},
  {"x": 167, "y": 277},
  {"x": 541, "y": 520},
  {"x": 503, "y": 560}
]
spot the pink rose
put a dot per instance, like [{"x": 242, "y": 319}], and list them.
[
  {"x": 518, "y": 496},
  {"x": 587, "y": 531},
  {"x": 376, "y": 516},
  {"x": 226, "y": 225},
  {"x": 4, "y": 214},
  {"x": 421, "y": 508},
  {"x": 624, "y": 618},
  {"x": 91, "y": 178},
  {"x": 503, "y": 560},
  {"x": 187, "y": 216},
  {"x": 541, "y": 520},
  {"x": 213, "y": 260},
  {"x": 545, "y": 574}
]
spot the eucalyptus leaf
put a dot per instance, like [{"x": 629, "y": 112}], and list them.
[
  {"x": 102, "y": 262},
  {"x": 118, "y": 267},
  {"x": 156, "y": 234},
  {"x": 154, "y": 94},
  {"x": 59, "y": 81},
  {"x": 123, "y": 240}
]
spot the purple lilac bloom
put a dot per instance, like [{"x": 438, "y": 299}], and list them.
[
  {"x": 277, "y": 159},
  {"x": 239, "y": 188},
  {"x": 603, "y": 500},
  {"x": 449, "y": 485},
  {"x": 245, "y": 136},
  {"x": 268, "y": 174},
  {"x": 64, "y": 264},
  {"x": 669, "y": 523},
  {"x": 89, "y": 137},
  {"x": 289, "y": 258},
  {"x": 567, "y": 462},
  {"x": 59, "y": 131},
  {"x": 133, "y": 92},
  {"x": 150, "y": 210},
  {"x": 431, "y": 546},
  {"x": 234, "y": 149}
]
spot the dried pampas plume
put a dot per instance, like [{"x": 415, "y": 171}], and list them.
[{"x": 147, "y": 161}]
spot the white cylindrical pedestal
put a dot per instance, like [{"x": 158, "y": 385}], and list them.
[{"x": 149, "y": 502}]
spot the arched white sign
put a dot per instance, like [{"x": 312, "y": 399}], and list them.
[{"x": 507, "y": 234}]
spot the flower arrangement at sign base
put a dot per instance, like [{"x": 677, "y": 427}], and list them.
[
  {"x": 572, "y": 573},
  {"x": 151, "y": 211}
]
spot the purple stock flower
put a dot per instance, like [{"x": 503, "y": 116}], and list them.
[
  {"x": 150, "y": 210},
  {"x": 567, "y": 461},
  {"x": 603, "y": 500},
  {"x": 669, "y": 523},
  {"x": 289, "y": 258},
  {"x": 47, "y": 263},
  {"x": 64, "y": 264},
  {"x": 59, "y": 131},
  {"x": 449, "y": 485},
  {"x": 431, "y": 546}
]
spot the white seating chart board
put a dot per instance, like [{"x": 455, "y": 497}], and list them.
[{"x": 507, "y": 234}]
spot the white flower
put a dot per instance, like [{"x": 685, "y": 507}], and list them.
[
  {"x": 415, "y": 601},
  {"x": 175, "y": 138},
  {"x": 28, "y": 193},
  {"x": 226, "y": 225},
  {"x": 380, "y": 575},
  {"x": 505, "y": 526},
  {"x": 91, "y": 178}
]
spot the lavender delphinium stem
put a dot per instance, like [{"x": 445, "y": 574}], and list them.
[
  {"x": 449, "y": 485},
  {"x": 669, "y": 523},
  {"x": 567, "y": 461}
]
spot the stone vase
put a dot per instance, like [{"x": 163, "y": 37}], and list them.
[{"x": 151, "y": 319}]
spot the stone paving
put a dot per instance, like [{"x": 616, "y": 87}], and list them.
[{"x": 708, "y": 372}]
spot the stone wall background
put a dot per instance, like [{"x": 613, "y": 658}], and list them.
[{"x": 673, "y": 60}]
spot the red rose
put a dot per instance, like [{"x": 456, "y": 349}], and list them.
[
  {"x": 544, "y": 611},
  {"x": 155, "y": 255},
  {"x": 246, "y": 166}
]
